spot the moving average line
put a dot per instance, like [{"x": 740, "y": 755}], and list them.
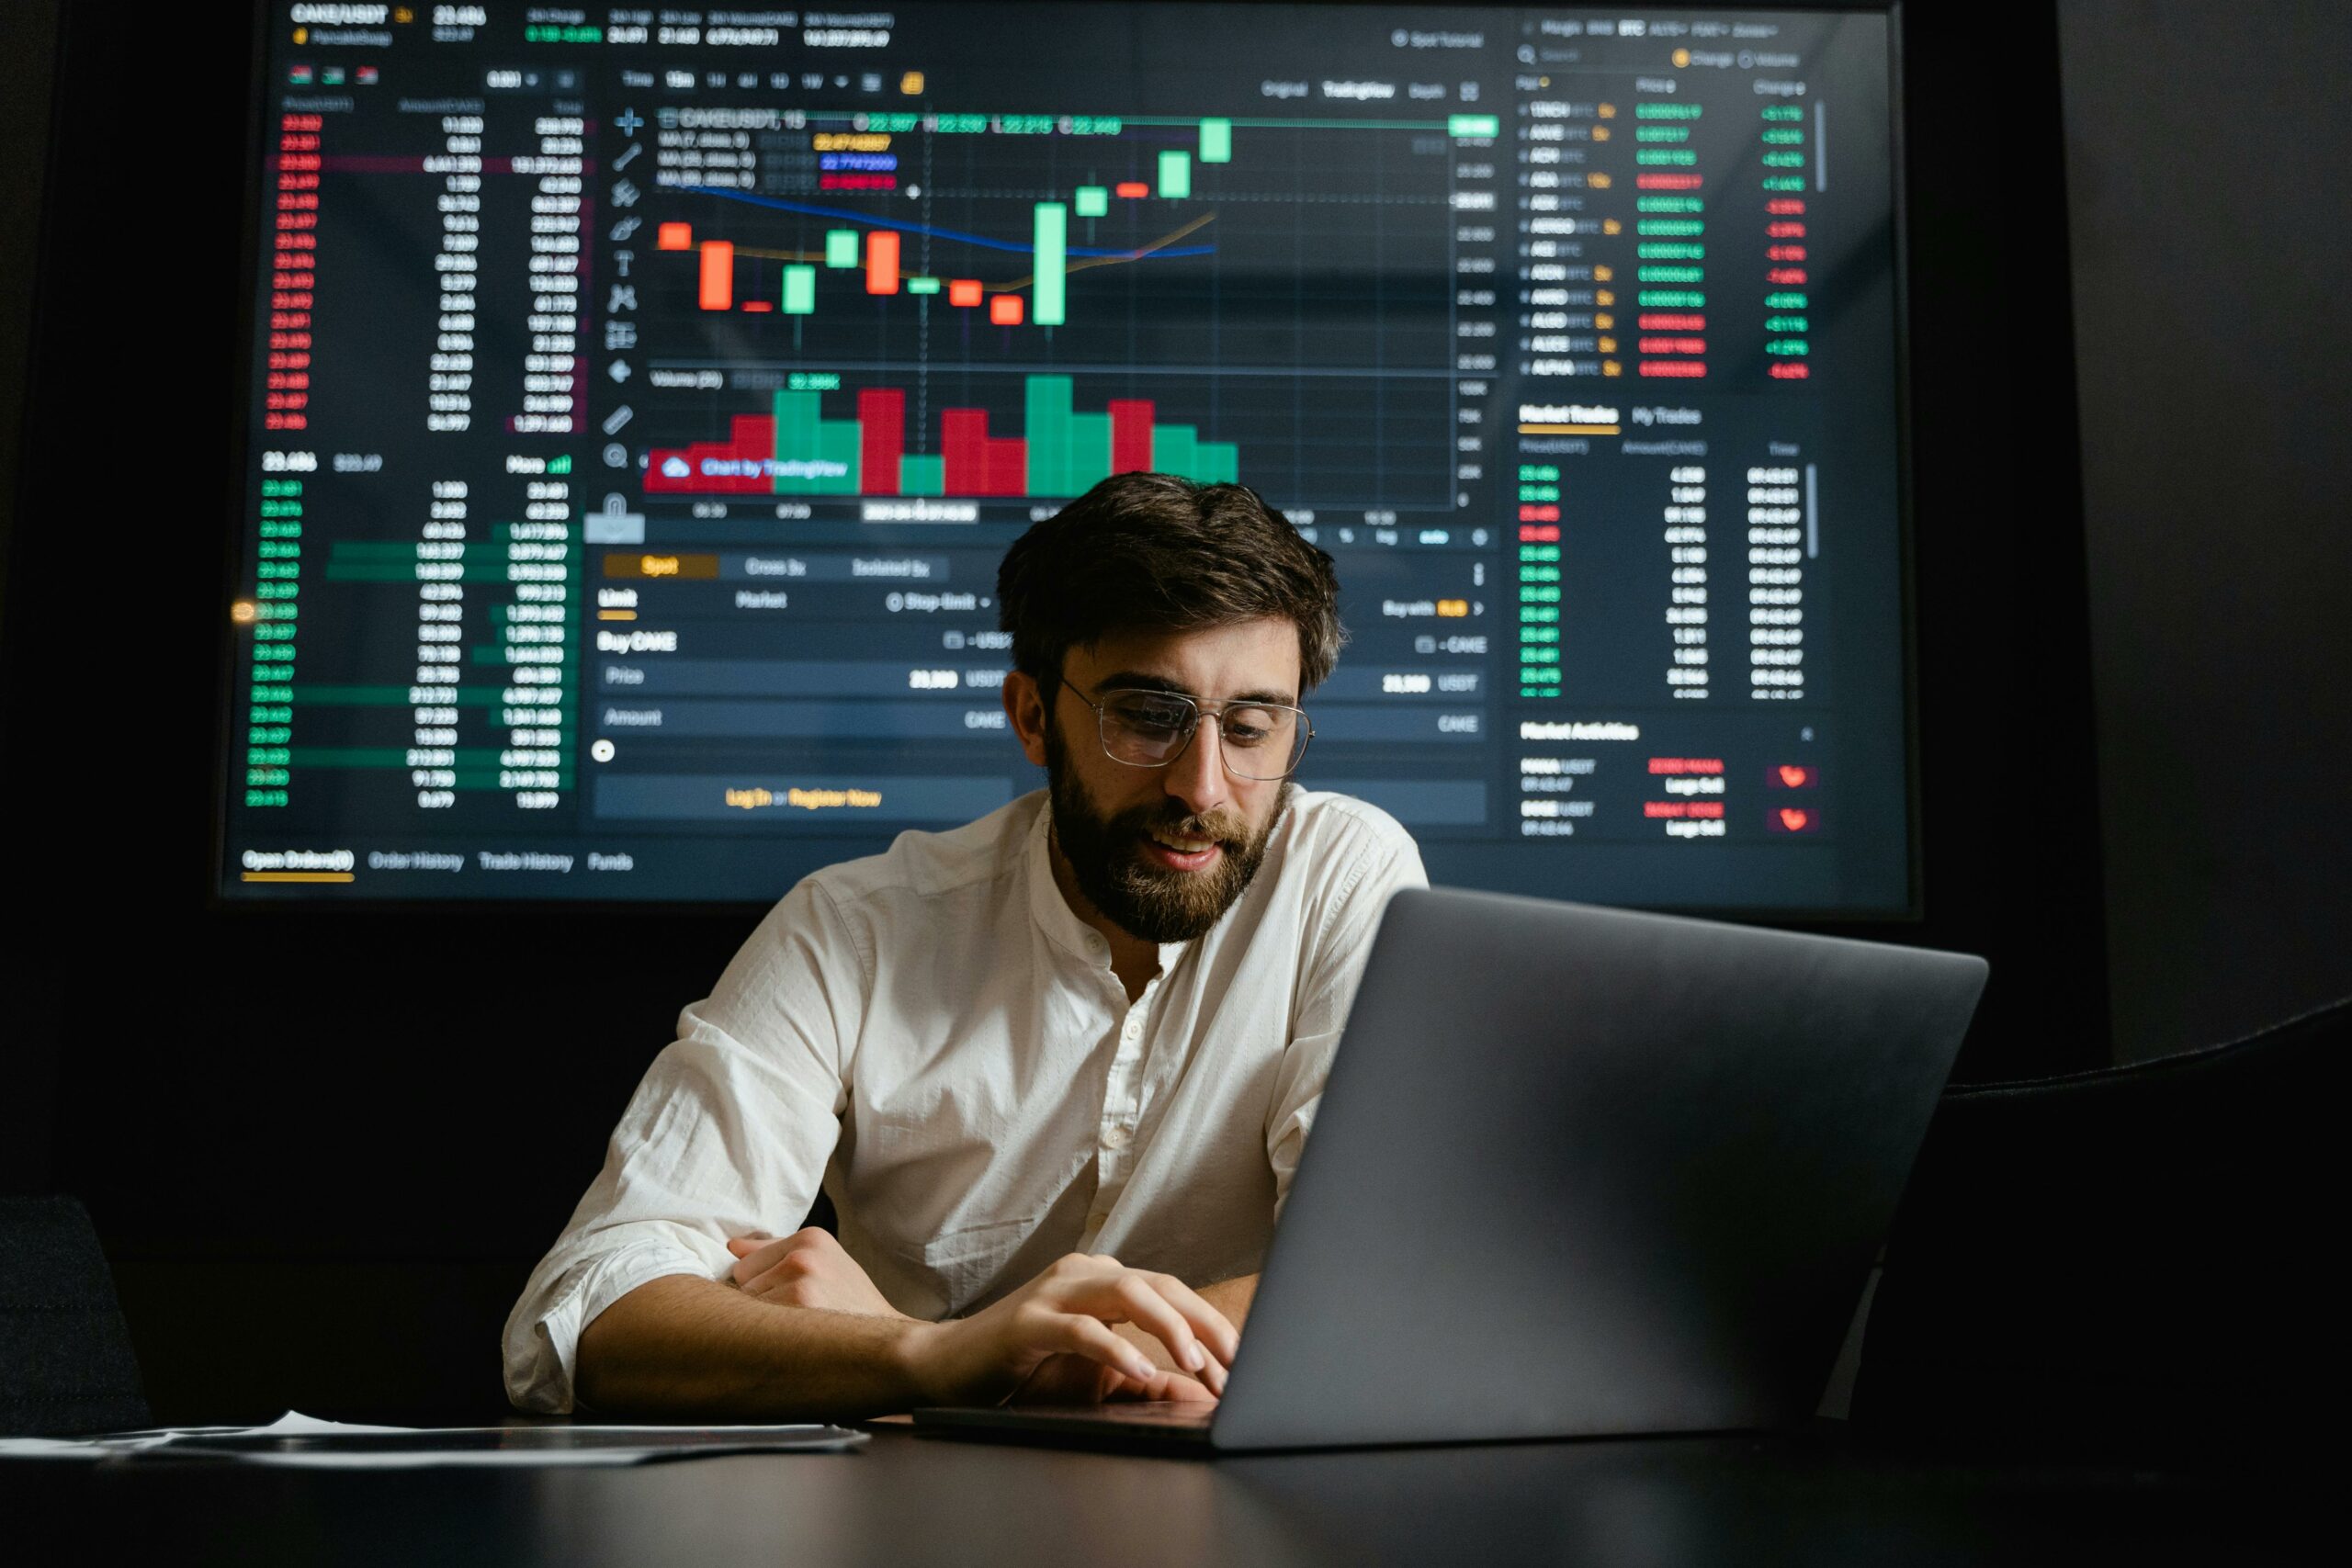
[{"x": 812, "y": 211}]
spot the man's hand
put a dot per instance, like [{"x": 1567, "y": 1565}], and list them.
[
  {"x": 1068, "y": 1380},
  {"x": 807, "y": 1268},
  {"x": 1066, "y": 1313},
  {"x": 1074, "y": 1380}
]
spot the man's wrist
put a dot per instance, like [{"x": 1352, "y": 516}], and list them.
[{"x": 917, "y": 1351}]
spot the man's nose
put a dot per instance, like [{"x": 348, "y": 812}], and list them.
[{"x": 1198, "y": 777}]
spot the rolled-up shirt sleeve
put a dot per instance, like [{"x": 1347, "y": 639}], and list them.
[
  {"x": 729, "y": 1134},
  {"x": 1334, "y": 968}
]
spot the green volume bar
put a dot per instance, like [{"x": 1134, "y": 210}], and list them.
[
  {"x": 1173, "y": 449},
  {"x": 1175, "y": 174},
  {"x": 839, "y": 444},
  {"x": 1178, "y": 449},
  {"x": 1217, "y": 141},
  {"x": 799, "y": 290},
  {"x": 795, "y": 442},
  {"x": 814, "y": 455},
  {"x": 1090, "y": 451},
  {"x": 921, "y": 474},
  {"x": 1053, "y": 258},
  {"x": 1046, "y": 423}
]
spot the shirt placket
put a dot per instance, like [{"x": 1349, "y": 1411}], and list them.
[{"x": 1114, "y": 1134}]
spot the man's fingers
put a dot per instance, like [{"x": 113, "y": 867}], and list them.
[
  {"x": 1212, "y": 1328},
  {"x": 1167, "y": 1385},
  {"x": 1152, "y": 1311},
  {"x": 769, "y": 1279},
  {"x": 809, "y": 1235},
  {"x": 763, "y": 1256},
  {"x": 1190, "y": 1389},
  {"x": 1091, "y": 1339}
]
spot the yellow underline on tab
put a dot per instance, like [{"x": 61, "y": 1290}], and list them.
[
  {"x": 296, "y": 877},
  {"x": 1569, "y": 430}
]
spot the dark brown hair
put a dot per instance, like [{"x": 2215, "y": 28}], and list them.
[{"x": 1158, "y": 553}]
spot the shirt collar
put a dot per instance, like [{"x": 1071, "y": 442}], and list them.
[{"x": 1046, "y": 906}]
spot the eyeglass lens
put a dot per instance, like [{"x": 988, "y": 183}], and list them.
[{"x": 1150, "y": 730}]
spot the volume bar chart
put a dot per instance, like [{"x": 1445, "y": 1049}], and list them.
[{"x": 794, "y": 450}]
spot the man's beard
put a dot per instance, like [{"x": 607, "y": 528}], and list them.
[{"x": 1106, "y": 856}]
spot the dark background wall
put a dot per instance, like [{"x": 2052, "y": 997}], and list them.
[
  {"x": 2207, "y": 149},
  {"x": 324, "y": 1149},
  {"x": 24, "y": 99}
]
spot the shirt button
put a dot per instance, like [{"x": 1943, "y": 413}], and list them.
[
  {"x": 1134, "y": 1028},
  {"x": 1115, "y": 1137}
]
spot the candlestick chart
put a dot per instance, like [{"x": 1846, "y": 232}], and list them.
[{"x": 1014, "y": 306}]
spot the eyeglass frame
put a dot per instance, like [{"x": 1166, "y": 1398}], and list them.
[{"x": 1201, "y": 710}]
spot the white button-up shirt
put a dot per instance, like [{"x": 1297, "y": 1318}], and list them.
[{"x": 934, "y": 1036}]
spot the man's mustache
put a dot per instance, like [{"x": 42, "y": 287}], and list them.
[{"x": 1229, "y": 828}]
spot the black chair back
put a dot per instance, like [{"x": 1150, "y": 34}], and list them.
[
  {"x": 66, "y": 1365},
  {"x": 2139, "y": 1259}
]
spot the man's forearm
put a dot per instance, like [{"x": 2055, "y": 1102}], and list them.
[{"x": 687, "y": 1346}]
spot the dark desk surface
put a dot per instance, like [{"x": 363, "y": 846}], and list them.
[{"x": 908, "y": 1501}]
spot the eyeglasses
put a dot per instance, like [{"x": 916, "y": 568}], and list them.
[{"x": 1150, "y": 730}]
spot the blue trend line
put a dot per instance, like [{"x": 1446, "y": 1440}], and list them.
[{"x": 980, "y": 239}]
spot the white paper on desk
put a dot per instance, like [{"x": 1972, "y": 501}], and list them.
[
  {"x": 100, "y": 1447},
  {"x": 413, "y": 1447},
  {"x": 53, "y": 1448}
]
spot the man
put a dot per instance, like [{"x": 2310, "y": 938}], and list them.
[{"x": 1054, "y": 1067}]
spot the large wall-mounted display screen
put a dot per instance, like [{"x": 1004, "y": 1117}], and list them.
[{"x": 641, "y": 400}]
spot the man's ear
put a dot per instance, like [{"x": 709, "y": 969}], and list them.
[{"x": 1024, "y": 704}]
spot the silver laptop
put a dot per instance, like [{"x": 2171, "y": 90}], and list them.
[{"x": 1578, "y": 1172}]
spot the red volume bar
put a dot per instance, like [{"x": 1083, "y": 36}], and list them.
[
  {"x": 975, "y": 463},
  {"x": 718, "y": 274},
  {"x": 1130, "y": 436},
  {"x": 882, "y": 263},
  {"x": 882, "y": 419}
]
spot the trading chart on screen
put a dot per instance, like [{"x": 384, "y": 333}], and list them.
[{"x": 642, "y": 400}]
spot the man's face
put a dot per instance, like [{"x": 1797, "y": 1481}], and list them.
[{"x": 1163, "y": 852}]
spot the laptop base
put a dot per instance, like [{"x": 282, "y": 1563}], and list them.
[{"x": 1167, "y": 1426}]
